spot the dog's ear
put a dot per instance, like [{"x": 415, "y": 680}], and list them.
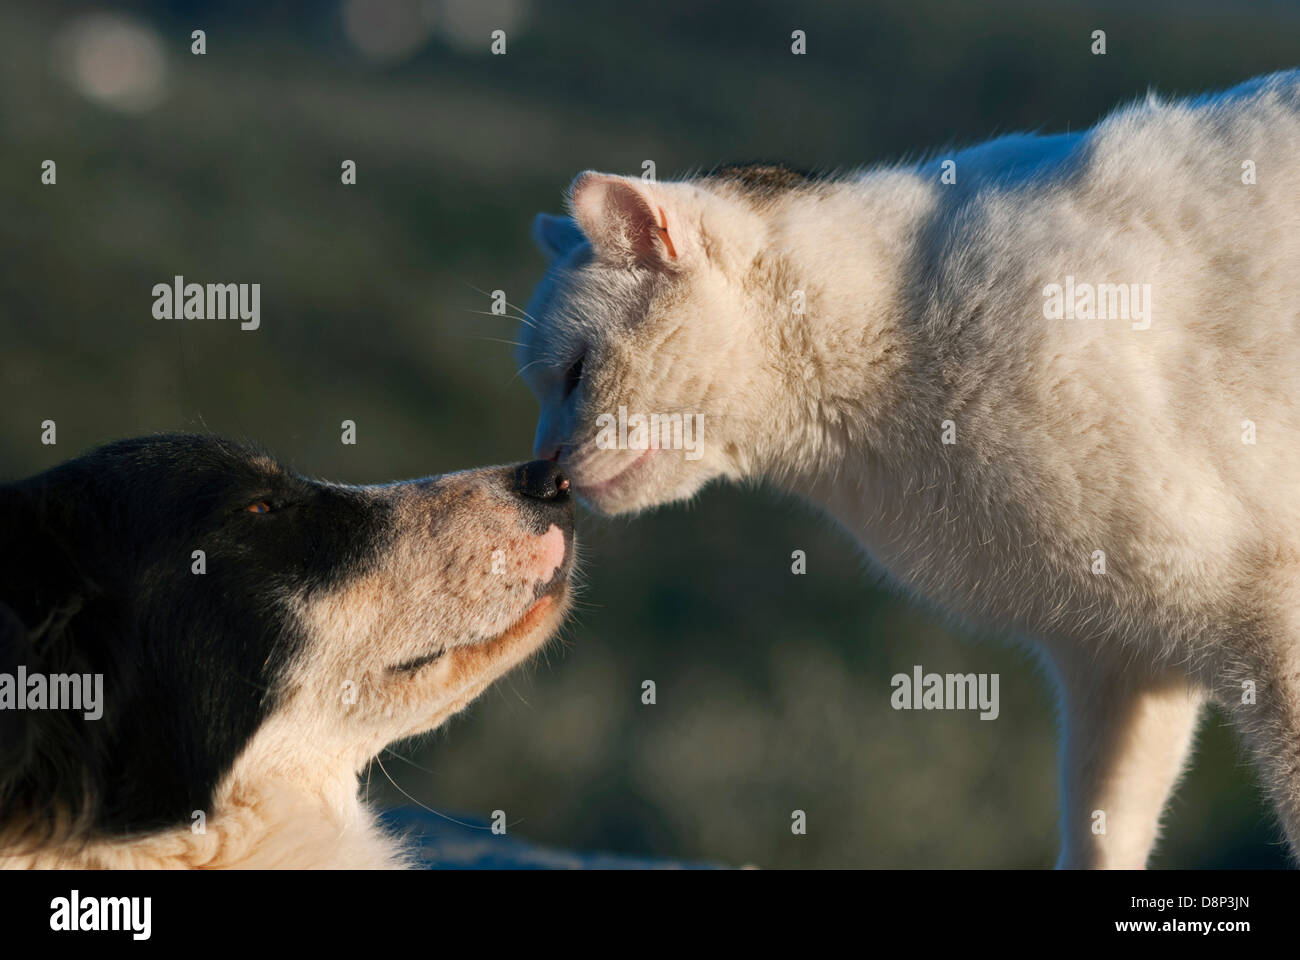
[
  {"x": 40, "y": 594},
  {"x": 18, "y": 588},
  {"x": 43, "y": 776},
  {"x": 17, "y": 727},
  {"x": 43, "y": 581}
]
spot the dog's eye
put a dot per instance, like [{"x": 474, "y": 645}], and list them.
[{"x": 260, "y": 507}]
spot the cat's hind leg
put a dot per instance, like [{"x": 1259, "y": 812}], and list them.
[
  {"x": 1258, "y": 683},
  {"x": 1126, "y": 736}
]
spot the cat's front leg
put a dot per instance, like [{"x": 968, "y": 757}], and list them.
[{"x": 1126, "y": 736}]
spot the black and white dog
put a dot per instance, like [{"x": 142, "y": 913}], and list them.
[{"x": 256, "y": 638}]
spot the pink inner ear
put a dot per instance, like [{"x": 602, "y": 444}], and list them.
[
  {"x": 618, "y": 219},
  {"x": 663, "y": 234}
]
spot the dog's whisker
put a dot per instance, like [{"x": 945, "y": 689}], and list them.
[{"x": 422, "y": 806}]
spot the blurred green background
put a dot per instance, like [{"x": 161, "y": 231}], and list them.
[{"x": 773, "y": 689}]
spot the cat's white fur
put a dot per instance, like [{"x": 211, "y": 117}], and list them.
[{"x": 923, "y": 302}]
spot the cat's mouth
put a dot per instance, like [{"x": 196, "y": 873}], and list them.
[
  {"x": 626, "y": 482},
  {"x": 612, "y": 485}
]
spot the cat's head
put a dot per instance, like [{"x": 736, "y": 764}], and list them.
[{"x": 643, "y": 344}]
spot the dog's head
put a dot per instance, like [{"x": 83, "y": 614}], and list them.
[{"x": 240, "y": 613}]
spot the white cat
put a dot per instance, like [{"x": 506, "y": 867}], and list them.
[{"x": 1058, "y": 397}]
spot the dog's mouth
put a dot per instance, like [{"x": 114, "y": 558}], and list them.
[
  {"x": 551, "y": 594},
  {"x": 410, "y": 666}
]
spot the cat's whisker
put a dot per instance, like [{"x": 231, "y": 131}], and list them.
[
  {"x": 523, "y": 313},
  {"x": 511, "y": 343},
  {"x": 503, "y": 316},
  {"x": 518, "y": 373},
  {"x": 508, "y": 304}
]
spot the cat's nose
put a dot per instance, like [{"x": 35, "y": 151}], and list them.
[
  {"x": 542, "y": 480},
  {"x": 548, "y": 441}
]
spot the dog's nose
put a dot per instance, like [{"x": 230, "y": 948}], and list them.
[{"x": 542, "y": 480}]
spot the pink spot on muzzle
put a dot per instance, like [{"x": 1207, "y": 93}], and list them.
[{"x": 550, "y": 553}]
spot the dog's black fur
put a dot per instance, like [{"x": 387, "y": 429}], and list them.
[{"x": 96, "y": 577}]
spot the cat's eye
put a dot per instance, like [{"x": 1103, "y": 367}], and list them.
[
  {"x": 573, "y": 376},
  {"x": 261, "y": 506}
]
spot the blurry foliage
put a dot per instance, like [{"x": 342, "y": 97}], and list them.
[{"x": 773, "y": 690}]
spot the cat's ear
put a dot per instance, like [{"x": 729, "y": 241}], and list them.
[
  {"x": 556, "y": 236},
  {"x": 622, "y": 220}
]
